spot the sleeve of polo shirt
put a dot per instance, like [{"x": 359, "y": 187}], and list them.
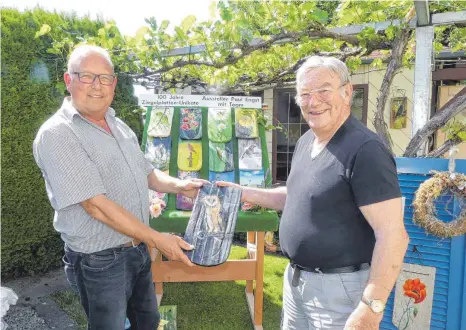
[
  {"x": 374, "y": 178},
  {"x": 71, "y": 174},
  {"x": 148, "y": 167}
]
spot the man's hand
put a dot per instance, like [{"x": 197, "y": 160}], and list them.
[
  {"x": 172, "y": 247},
  {"x": 363, "y": 319},
  {"x": 190, "y": 187},
  {"x": 228, "y": 184}
]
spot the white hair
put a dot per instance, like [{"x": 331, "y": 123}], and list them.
[
  {"x": 322, "y": 62},
  {"x": 81, "y": 52}
]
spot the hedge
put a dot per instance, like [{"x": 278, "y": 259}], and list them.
[{"x": 32, "y": 90}]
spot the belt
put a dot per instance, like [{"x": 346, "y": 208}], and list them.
[
  {"x": 133, "y": 243},
  {"x": 347, "y": 269}
]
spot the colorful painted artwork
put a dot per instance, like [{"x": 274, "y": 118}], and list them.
[
  {"x": 251, "y": 178},
  {"x": 167, "y": 317},
  {"x": 158, "y": 152},
  {"x": 398, "y": 112},
  {"x": 249, "y": 154},
  {"x": 222, "y": 176},
  {"x": 246, "y": 123},
  {"x": 190, "y": 123},
  {"x": 189, "y": 155},
  {"x": 182, "y": 202},
  {"x": 219, "y": 125},
  {"x": 212, "y": 224},
  {"x": 221, "y": 157},
  {"x": 414, "y": 294},
  {"x": 160, "y": 123}
]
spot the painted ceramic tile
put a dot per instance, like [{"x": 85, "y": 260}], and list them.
[
  {"x": 167, "y": 317},
  {"x": 189, "y": 155},
  {"x": 160, "y": 123},
  {"x": 219, "y": 124},
  {"x": 190, "y": 123},
  {"x": 414, "y": 294},
  {"x": 249, "y": 154},
  {"x": 182, "y": 202},
  {"x": 212, "y": 224},
  {"x": 246, "y": 123},
  {"x": 158, "y": 152},
  {"x": 251, "y": 178},
  {"x": 222, "y": 176},
  {"x": 221, "y": 157}
]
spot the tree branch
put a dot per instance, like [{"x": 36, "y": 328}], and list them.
[
  {"x": 441, "y": 117},
  {"x": 444, "y": 148},
  {"x": 314, "y": 31},
  {"x": 395, "y": 63}
]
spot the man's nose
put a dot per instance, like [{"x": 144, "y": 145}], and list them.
[
  {"x": 313, "y": 100},
  {"x": 96, "y": 83}
]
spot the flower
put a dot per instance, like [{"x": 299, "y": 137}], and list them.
[
  {"x": 415, "y": 289},
  {"x": 157, "y": 203},
  {"x": 249, "y": 207},
  {"x": 185, "y": 120},
  {"x": 221, "y": 126},
  {"x": 185, "y": 127}
]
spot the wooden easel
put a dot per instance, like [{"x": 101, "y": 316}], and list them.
[{"x": 250, "y": 269}]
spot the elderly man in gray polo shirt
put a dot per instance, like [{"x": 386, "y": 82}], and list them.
[{"x": 97, "y": 180}]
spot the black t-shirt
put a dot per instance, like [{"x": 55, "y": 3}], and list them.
[{"x": 322, "y": 225}]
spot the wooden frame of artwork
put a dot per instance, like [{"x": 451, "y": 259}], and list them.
[{"x": 398, "y": 112}]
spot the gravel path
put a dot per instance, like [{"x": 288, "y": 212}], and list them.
[
  {"x": 34, "y": 310},
  {"x": 24, "y": 318}
]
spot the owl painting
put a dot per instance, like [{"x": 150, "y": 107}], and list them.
[{"x": 212, "y": 210}]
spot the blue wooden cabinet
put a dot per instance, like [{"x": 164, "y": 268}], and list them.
[{"x": 447, "y": 255}]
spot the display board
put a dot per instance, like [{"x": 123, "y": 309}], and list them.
[{"x": 209, "y": 137}]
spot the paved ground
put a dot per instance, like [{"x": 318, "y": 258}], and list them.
[{"x": 35, "y": 310}]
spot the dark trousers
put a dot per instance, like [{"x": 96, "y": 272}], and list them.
[{"x": 113, "y": 284}]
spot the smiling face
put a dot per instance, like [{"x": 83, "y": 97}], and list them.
[
  {"x": 91, "y": 99},
  {"x": 328, "y": 106}
]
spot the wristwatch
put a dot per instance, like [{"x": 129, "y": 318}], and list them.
[{"x": 376, "y": 305}]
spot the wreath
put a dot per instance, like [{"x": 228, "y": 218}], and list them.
[{"x": 428, "y": 192}]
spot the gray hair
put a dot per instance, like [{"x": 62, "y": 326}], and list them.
[
  {"x": 81, "y": 52},
  {"x": 321, "y": 62}
]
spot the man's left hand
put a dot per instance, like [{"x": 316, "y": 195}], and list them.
[
  {"x": 190, "y": 187},
  {"x": 363, "y": 319}
]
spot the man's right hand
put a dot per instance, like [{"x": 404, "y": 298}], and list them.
[
  {"x": 233, "y": 185},
  {"x": 172, "y": 247}
]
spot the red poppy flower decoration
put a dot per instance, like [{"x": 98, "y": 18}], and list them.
[{"x": 415, "y": 289}]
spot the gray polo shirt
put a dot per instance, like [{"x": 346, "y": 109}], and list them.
[{"x": 80, "y": 160}]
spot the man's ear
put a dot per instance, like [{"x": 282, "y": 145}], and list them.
[
  {"x": 348, "y": 93},
  {"x": 67, "y": 79}
]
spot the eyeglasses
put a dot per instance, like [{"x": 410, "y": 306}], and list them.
[
  {"x": 89, "y": 78},
  {"x": 323, "y": 95}
]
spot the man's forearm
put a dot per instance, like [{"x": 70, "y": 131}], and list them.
[
  {"x": 161, "y": 182},
  {"x": 386, "y": 264},
  {"x": 270, "y": 198},
  {"x": 116, "y": 217}
]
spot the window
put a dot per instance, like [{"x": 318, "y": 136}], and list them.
[{"x": 287, "y": 113}]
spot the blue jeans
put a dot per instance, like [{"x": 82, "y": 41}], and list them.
[{"x": 114, "y": 283}]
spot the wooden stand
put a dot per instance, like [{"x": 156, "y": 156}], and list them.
[{"x": 251, "y": 270}]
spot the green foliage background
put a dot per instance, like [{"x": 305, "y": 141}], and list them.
[{"x": 32, "y": 90}]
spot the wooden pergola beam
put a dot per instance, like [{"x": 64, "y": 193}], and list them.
[{"x": 422, "y": 12}]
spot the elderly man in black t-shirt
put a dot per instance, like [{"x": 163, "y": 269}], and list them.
[{"x": 342, "y": 225}]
